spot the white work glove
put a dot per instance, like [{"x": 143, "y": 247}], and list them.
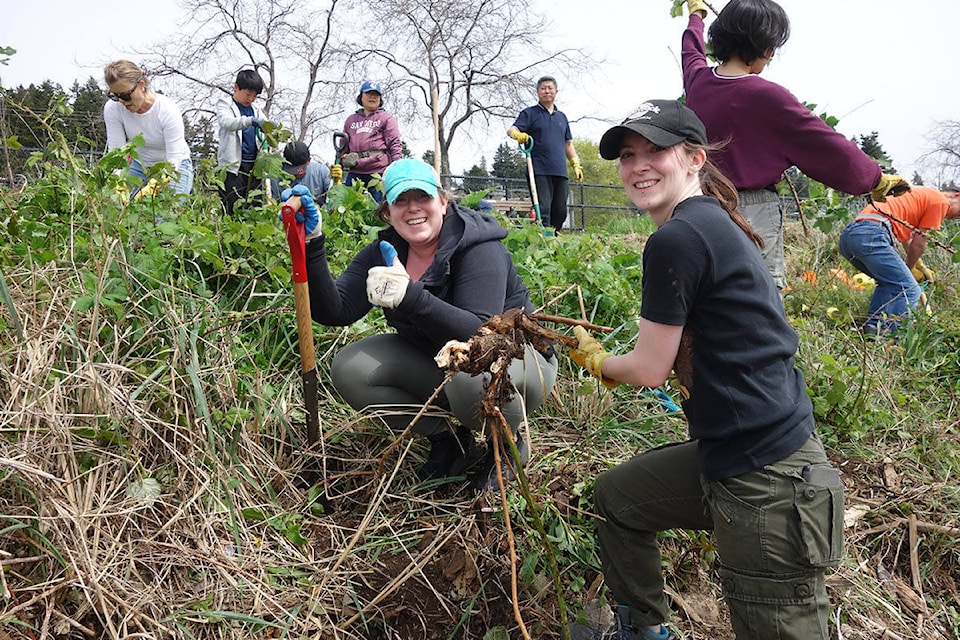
[{"x": 386, "y": 286}]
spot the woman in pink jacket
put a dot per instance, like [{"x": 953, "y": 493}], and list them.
[{"x": 374, "y": 139}]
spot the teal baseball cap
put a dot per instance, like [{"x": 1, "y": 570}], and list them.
[{"x": 406, "y": 174}]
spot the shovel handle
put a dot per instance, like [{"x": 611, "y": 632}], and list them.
[
  {"x": 301, "y": 298},
  {"x": 341, "y": 141},
  {"x": 296, "y": 236}
]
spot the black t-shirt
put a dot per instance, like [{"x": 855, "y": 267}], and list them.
[{"x": 747, "y": 404}]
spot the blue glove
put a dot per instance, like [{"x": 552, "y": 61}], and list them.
[
  {"x": 308, "y": 214},
  {"x": 389, "y": 253},
  {"x": 257, "y": 122}
]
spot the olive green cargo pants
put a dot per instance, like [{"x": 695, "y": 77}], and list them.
[{"x": 776, "y": 529}]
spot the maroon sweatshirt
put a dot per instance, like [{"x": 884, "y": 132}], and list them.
[
  {"x": 377, "y": 133},
  {"x": 766, "y": 129}
]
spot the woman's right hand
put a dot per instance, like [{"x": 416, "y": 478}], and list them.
[
  {"x": 308, "y": 213},
  {"x": 590, "y": 354}
]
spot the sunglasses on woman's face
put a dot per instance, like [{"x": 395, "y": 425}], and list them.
[{"x": 126, "y": 95}]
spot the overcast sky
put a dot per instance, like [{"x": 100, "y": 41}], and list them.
[{"x": 878, "y": 65}]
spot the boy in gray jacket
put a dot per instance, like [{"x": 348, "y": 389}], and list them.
[{"x": 240, "y": 136}]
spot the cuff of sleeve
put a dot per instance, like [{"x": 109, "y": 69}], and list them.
[{"x": 411, "y": 299}]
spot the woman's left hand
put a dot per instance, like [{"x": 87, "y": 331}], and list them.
[{"x": 387, "y": 286}]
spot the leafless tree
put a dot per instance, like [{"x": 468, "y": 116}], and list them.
[
  {"x": 471, "y": 63},
  {"x": 290, "y": 44},
  {"x": 943, "y": 159}
]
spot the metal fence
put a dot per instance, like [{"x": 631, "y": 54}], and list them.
[{"x": 587, "y": 204}]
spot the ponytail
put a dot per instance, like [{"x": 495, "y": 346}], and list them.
[{"x": 716, "y": 185}]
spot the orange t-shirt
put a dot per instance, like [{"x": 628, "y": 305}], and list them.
[{"x": 923, "y": 207}]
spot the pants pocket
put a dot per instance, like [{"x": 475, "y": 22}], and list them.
[
  {"x": 786, "y": 607},
  {"x": 737, "y": 526},
  {"x": 818, "y": 502}
]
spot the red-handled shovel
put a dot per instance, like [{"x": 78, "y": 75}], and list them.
[{"x": 301, "y": 297}]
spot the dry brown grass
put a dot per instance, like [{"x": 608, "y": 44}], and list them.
[{"x": 88, "y": 414}]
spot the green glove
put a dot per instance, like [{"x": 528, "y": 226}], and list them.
[
  {"x": 519, "y": 136},
  {"x": 922, "y": 273},
  {"x": 577, "y": 169},
  {"x": 697, "y": 6},
  {"x": 590, "y": 355},
  {"x": 890, "y": 185}
]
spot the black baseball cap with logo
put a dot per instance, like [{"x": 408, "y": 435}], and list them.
[
  {"x": 297, "y": 156},
  {"x": 662, "y": 122}
]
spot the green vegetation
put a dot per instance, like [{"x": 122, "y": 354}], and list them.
[{"x": 152, "y": 429}]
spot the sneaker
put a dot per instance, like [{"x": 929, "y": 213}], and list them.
[
  {"x": 487, "y": 479},
  {"x": 622, "y": 629},
  {"x": 448, "y": 453}
]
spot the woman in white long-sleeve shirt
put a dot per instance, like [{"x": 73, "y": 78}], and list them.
[{"x": 135, "y": 108}]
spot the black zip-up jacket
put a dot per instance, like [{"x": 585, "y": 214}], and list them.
[{"x": 471, "y": 279}]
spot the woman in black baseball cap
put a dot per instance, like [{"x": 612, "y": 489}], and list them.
[{"x": 754, "y": 472}]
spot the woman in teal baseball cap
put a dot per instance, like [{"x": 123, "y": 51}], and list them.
[{"x": 438, "y": 271}]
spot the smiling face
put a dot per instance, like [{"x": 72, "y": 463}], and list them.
[
  {"x": 418, "y": 218},
  {"x": 658, "y": 179}
]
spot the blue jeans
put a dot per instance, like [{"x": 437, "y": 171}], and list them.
[
  {"x": 869, "y": 246},
  {"x": 182, "y": 186}
]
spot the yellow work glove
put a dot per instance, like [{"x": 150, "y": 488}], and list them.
[
  {"x": 590, "y": 355},
  {"x": 153, "y": 187},
  {"x": 336, "y": 173},
  {"x": 697, "y": 6},
  {"x": 519, "y": 136},
  {"x": 577, "y": 170},
  {"x": 890, "y": 185},
  {"x": 922, "y": 273}
]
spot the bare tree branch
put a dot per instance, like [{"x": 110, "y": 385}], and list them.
[
  {"x": 943, "y": 158},
  {"x": 474, "y": 56}
]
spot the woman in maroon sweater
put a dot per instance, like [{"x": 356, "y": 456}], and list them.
[{"x": 763, "y": 127}]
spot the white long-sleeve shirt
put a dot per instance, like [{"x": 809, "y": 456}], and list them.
[{"x": 161, "y": 126}]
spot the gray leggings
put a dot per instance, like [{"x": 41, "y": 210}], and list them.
[{"x": 387, "y": 372}]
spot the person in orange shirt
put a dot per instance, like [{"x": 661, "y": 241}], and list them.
[{"x": 868, "y": 244}]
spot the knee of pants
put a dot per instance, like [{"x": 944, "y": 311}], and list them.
[{"x": 601, "y": 493}]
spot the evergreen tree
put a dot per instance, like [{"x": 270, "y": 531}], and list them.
[
  {"x": 201, "y": 137},
  {"x": 85, "y": 124},
  {"x": 476, "y": 177},
  {"x": 509, "y": 162},
  {"x": 872, "y": 147}
]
